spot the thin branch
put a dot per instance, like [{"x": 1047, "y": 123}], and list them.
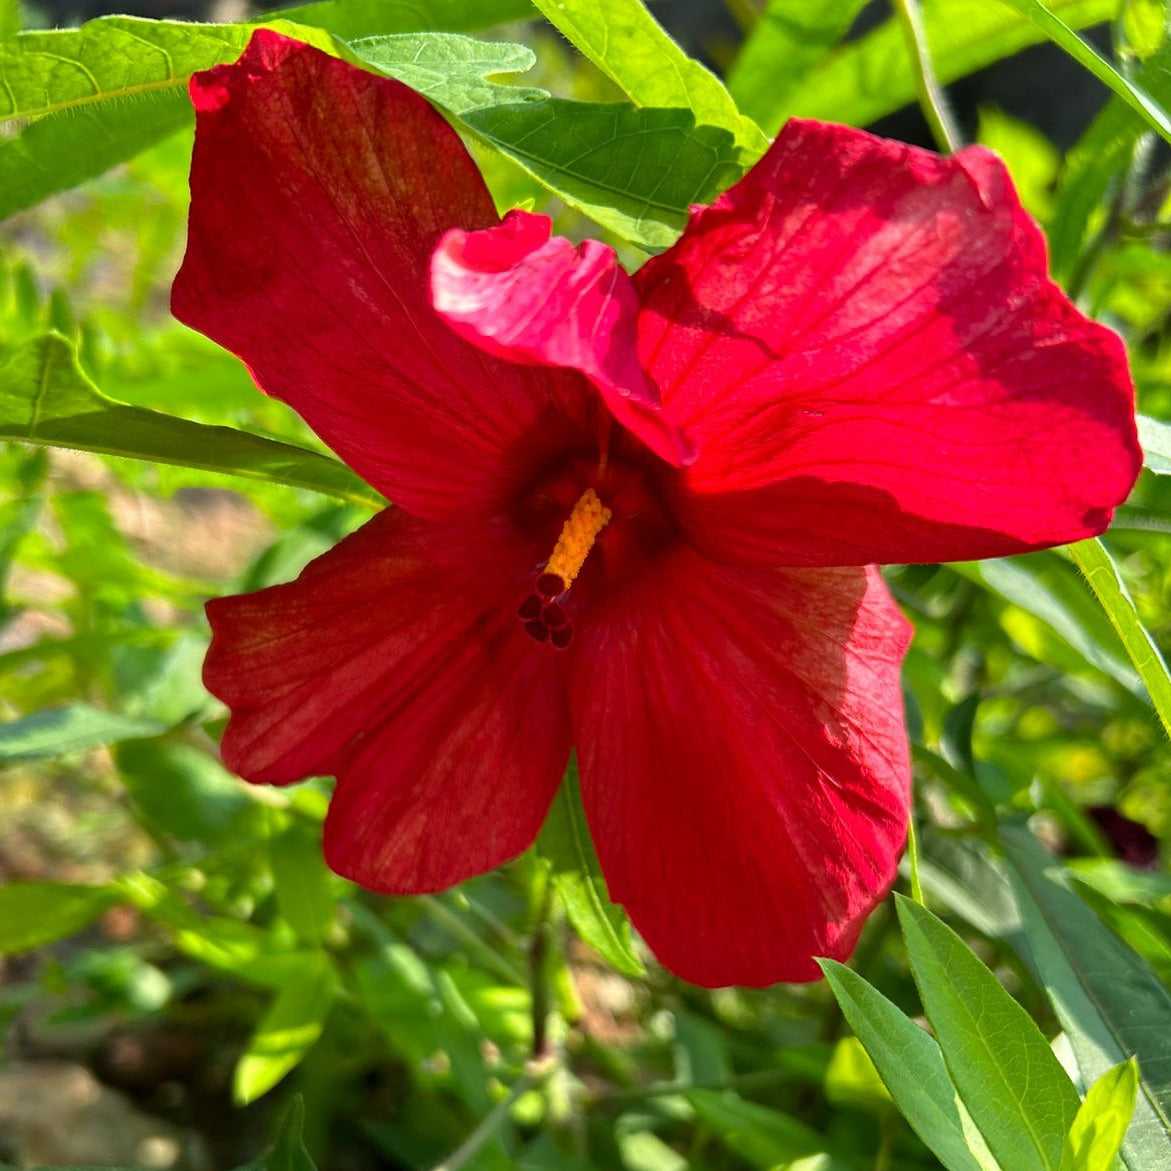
[
  {"x": 931, "y": 98},
  {"x": 489, "y": 1124}
]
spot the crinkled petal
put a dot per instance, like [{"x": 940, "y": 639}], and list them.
[
  {"x": 867, "y": 331},
  {"x": 744, "y": 761},
  {"x": 318, "y": 194},
  {"x": 522, "y": 294},
  {"x": 395, "y": 662}
]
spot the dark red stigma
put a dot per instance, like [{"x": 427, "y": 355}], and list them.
[{"x": 543, "y": 618}]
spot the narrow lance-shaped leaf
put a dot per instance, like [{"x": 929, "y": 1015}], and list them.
[
  {"x": 626, "y": 42},
  {"x": 1109, "y": 1002},
  {"x": 565, "y": 844},
  {"x": 869, "y": 78},
  {"x": 912, "y": 1069},
  {"x": 1009, "y": 1080},
  {"x": 47, "y": 399},
  {"x": 1085, "y": 54},
  {"x": 73, "y": 727},
  {"x": 1092, "y": 558}
]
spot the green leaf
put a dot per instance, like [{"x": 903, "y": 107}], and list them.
[
  {"x": 9, "y": 18},
  {"x": 763, "y": 1138},
  {"x": 634, "y": 171},
  {"x": 627, "y": 44},
  {"x": 302, "y": 881},
  {"x": 565, "y": 844},
  {"x": 288, "y": 1030},
  {"x": 73, "y": 728},
  {"x": 1109, "y": 1002},
  {"x": 186, "y": 793},
  {"x": 869, "y": 78},
  {"x": 349, "y": 19},
  {"x": 1085, "y": 54},
  {"x": 1092, "y": 558},
  {"x": 35, "y": 913},
  {"x": 912, "y": 1069},
  {"x": 47, "y": 399},
  {"x": 449, "y": 69},
  {"x": 1096, "y": 1136},
  {"x": 288, "y": 1151},
  {"x": 1155, "y": 436},
  {"x": 1009, "y": 1080},
  {"x": 1046, "y": 587},
  {"x": 788, "y": 40},
  {"x": 100, "y": 94}
]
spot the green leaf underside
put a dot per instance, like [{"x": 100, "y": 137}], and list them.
[
  {"x": 626, "y": 43},
  {"x": 565, "y": 844},
  {"x": 640, "y": 169},
  {"x": 73, "y": 728},
  {"x": 1109, "y": 1002},
  {"x": 869, "y": 78},
  {"x": 1007, "y": 1076},
  {"x": 46, "y": 399},
  {"x": 1093, "y": 559},
  {"x": 1155, "y": 436},
  {"x": 911, "y": 1067}
]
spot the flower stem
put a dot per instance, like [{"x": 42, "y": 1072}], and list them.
[
  {"x": 489, "y": 1124},
  {"x": 913, "y": 855},
  {"x": 931, "y": 98}
]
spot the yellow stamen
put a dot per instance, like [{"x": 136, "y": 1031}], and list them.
[{"x": 588, "y": 518}]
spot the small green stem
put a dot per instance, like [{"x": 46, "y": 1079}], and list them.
[
  {"x": 931, "y": 97},
  {"x": 483, "y": 952},
  {"x": 913, "y": 855},
  {"x": 489, "y": 1124}
]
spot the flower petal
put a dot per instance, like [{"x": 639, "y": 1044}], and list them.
[
  {"x": 867, "y": 330},
  {"x": 744, "y": 761},
  {"x": 520, "y": 293},
  {"x": 318, "y": 194},
  {"x": 396, "y": 663}
]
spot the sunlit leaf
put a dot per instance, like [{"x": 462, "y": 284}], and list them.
[
  {"x": 1096, "y": 1135},
  {"x": 35, "y": 913},
  {"x": 870, "y": 77},
  {"x": 287, "y": 1031},
  {"x": 1009, "y": 1080},
  {"x": 1155, "y": 436},
  {"x": 912, "y": 1068},
  {"x": 1092, "y": 558},
  {"x": 364, "y": 18},
  {"x": 565, "y": 844},
  {"x": 47, "y": 399},
  {"x": 626, "y": 42}
]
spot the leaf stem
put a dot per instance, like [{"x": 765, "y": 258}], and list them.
[
  {"x": 913, "y": 856},
  {"x": 931, "y": 97},
  {"x": 488, "y": 1125}
]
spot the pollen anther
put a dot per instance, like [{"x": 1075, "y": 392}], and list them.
[{"x": 588, "y": 518}]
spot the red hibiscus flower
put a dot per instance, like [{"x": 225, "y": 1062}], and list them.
[{"x": 635, "y": 515}]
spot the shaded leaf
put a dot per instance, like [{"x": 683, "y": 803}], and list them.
[
  {"x": 1109, "y": 1002},
  {"x": 73, "y": 728},
  {"x": 302, "y": 881}
]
